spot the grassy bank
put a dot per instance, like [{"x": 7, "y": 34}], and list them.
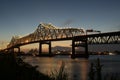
[{"x": 12, "y": 68}]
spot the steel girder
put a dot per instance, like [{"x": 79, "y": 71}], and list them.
[
  {"x": 110, "y": 39},
  {"x": 102, "y": 38}
]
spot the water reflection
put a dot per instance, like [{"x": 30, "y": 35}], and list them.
[
  {"x": 84, "y": 69},
  {"x": 79, "y": 69},
  {"x": 76, "y": 68}
]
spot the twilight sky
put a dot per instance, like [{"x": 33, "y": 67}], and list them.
[{"x": 21, "y": 17}]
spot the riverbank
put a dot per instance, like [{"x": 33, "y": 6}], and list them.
[
  {"x": 78, "y": 68},
  {"x": 12, "y": 68}
]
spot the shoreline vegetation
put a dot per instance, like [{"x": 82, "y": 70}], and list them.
[
  {"x": 13, "y": 68},
  {"x": 95, "y": 72}
]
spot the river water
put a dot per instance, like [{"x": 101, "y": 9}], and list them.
[{"x": 78, "y": 68}]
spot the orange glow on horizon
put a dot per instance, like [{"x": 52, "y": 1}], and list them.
[{"x": 62, "y": 43}]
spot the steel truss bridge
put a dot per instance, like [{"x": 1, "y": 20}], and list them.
[
  {"x": 45, "y": 33},
  {"x": 101, "y": 38}
]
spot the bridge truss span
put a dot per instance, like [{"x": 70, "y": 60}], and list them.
[
  {"x": 105, "y": 38},
  {"x": 46, "y": 32},
  {"x": 102, "y": 38}
]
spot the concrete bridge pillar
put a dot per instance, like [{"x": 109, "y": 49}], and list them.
[
  {"x": 50, "y": 48},
  {"x": 73, "y": 49},
  {"x": 40, "y": 47},
  {"x": 15, "y": 51},
  {"x": 86, "y": 48},
  {"x": 80, "y": 42}
]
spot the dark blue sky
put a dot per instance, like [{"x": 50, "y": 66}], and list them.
[{"x": 21, "y": 17}]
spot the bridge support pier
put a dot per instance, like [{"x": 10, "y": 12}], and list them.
[
  {"x": 13, "y": 50},
  {"x": 50, "y": 52},
  {"x": 73, "y": 49},
  {"x": 86, "y": 48},
  {"x": 77, "y": 42},
  {"x": 40, "y": 48}
]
